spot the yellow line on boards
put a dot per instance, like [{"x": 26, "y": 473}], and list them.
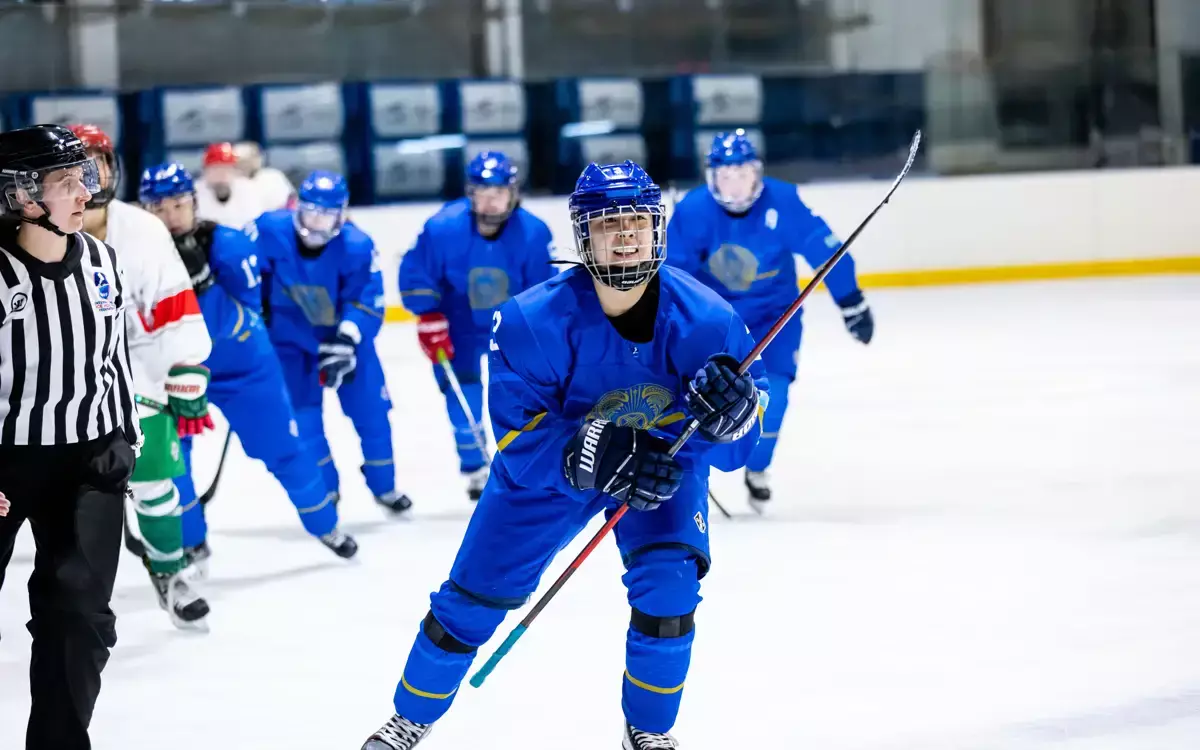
[{"x": 991, "y": 274}]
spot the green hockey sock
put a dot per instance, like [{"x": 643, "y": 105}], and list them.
[{"x": 162, "y": 531}]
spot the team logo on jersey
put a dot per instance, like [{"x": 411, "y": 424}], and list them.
[
  {"x": 19, "y": 300},
  {"x": 103, "y": 292},
  {"x": 772, "y": 218},
  {"x": 175, "y": 450},
  {"x": 639, "y": 406},
  {"x": 487, "y": 287},
  {"x": 734, "y": 266}
]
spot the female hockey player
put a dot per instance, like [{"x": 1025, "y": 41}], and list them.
[
  {"x": 739, "y": 236},
  {"x": 167, "y": 345},
  {"x": 471, "y": 256},
  {"x": 592, "y": 375},
  {"x": 247, "y": 379}
]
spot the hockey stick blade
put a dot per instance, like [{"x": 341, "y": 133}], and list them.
[{"x": 693, "y": 425}]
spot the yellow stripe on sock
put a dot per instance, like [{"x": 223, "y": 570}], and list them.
[
  {"x": 423, "y": 694},
  {"x": 652, "y": 688}
]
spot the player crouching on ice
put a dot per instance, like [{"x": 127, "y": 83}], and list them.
[
  {"x": 247, "y": 381},
  {"x": 470, "y": 257},
  {"x": 592, "y": 375}
]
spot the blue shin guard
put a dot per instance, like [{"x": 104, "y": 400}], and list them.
[
  {"x": 664, "y": 590},
  {"x": 446, "y": 645}
]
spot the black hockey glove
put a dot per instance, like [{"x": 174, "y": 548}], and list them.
[
  {"x": 194, "y": 248},
  {"x": 723, "y": 402},
  {"x": 337, "y": 360},
  {"x": 627, "y": 464},
  {"x": 857, "y": 316}
]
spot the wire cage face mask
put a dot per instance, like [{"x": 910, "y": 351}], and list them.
[
  {"x": 318, "y": 225},
  {"x": 622, "y": 246}
]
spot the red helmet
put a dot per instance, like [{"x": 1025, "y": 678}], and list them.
[
  {"x": 220, "y": 153},
  {"x": 97, "y": 141}
]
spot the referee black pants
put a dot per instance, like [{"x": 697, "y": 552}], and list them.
[{"x": 72, "y": 496}]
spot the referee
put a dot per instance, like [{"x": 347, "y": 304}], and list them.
[{"x": 67, "y": 421}]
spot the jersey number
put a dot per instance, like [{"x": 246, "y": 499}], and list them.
[
  {"x": 495, "y": 325},
  {"x": 250, "y": 266}
]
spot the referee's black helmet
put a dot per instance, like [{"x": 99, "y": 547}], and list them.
[{"x": 28, "y": 155}]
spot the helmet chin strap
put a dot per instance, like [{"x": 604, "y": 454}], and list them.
[{"x": 44, "y": 222}]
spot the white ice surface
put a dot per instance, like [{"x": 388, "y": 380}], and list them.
[{"x": 986, "y": 537}]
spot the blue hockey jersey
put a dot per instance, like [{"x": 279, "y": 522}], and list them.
[
  {"x": 749, "y": 259},
  {"x": 308, "y": 297},
  {"x": 556, "y": 361},
  {"x": 456, "y": 271},
  {"x": 231, "y": 305}
]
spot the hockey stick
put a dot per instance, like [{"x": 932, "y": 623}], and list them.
[
  {"x": 476, "y": 428},
  {"x": 212, "y": 488},
  {"x": 478, "y": 678},
  {"x": 673, "y": 198}
]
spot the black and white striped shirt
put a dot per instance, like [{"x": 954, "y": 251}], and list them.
[{"x": 64, "y": 360}]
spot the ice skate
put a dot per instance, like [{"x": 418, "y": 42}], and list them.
[
  {"x": 396, "y": 502},
  {"x": 342, "y": 544},
  {"x": 636, "y": 739},
  {"x": 759, "y": 487},
  {"x": 398, "y": 734},
  {"x": 186, "y": 608},
  {"x": 196, "y": 561},
  {"x": 476, "y": 481}
]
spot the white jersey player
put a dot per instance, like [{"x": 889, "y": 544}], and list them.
[
  {"x": 276, "y": 189},
  {"x": 224, "y": 195},
  {"x": 168, "y": 342}
]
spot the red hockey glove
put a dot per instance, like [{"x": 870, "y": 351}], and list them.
[
  {"x": 433, "y": 331},
  {"x": 187, "y": 397}
]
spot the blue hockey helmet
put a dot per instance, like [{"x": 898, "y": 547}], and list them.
[
  {"x": 167, "y": 180},
  {"x": 321, "y": 208},
  {"x": 735, "y": 172},
  {"x": 492, "y": 187},
  {"x": 620, "y": 224}
]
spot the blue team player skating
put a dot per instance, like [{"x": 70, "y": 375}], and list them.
[
  {"x": 247, "y": 383},
  {"x": 323, "y": 301},
  {"x": 471, "y": 256},
  {"x": 738, "y": 236},
  {"x": 591, "y": 375}
]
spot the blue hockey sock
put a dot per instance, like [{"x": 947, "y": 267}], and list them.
[
  {"x": 307, "y": 491},
  {"x": 446, "y": 645},
  {"x": 655, "y": 670},
  {"x": 379, "y": 468},
  {"x": 760, "y": 459},
  {"x": 470, "y": 457},
  {"x": 664, "y": 590}
]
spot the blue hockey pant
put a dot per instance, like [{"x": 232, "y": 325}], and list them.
[
  {"x": 364, "y": 399},
  {"x": 260, "y": 414}
]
